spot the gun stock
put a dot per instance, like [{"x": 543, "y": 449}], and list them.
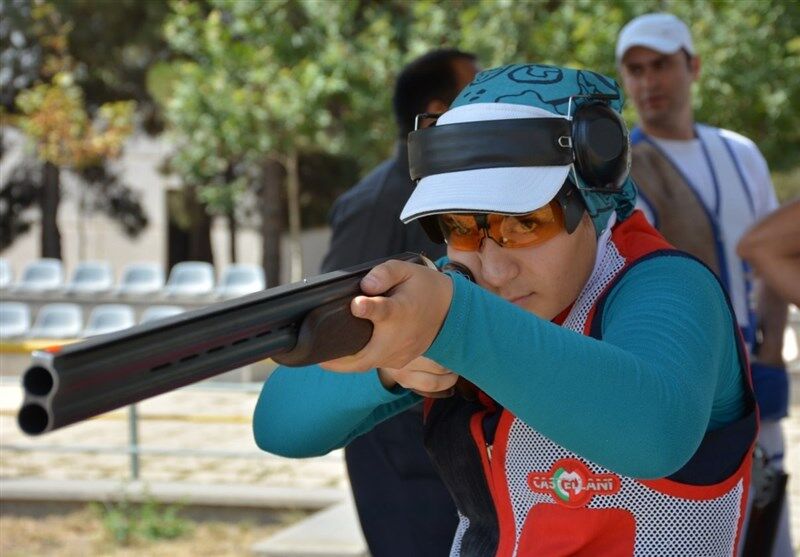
[{"x": 297, "y": 324}]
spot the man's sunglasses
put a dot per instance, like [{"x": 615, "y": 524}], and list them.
[{"x": 466, "y": 231}]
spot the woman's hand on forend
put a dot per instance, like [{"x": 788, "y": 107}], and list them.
[{"x": 407, "y": 304}]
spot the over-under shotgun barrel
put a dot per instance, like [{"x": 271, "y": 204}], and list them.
[{"x": 297, "y": 324}]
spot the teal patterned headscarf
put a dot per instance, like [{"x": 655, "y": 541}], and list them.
[{"x": 550, "y": 88}]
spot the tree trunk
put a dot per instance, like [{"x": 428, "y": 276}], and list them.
[
  {"x": 293, "y": 202},
  {"x": 200, "y": 229},
  {"x": 232, "y": 229},
  {"x": 82, "y": 218},
  {"x": 230, "y": 215},
  {"x": 272, "y": 179},
  {"x": 49, "y": 199},
  {"x": 188, "y": 228}
]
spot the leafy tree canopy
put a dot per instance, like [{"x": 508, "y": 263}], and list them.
[{"x": 262, "y": 77}]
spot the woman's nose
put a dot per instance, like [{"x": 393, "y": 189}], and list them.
[{"x": 498, "y": 266}]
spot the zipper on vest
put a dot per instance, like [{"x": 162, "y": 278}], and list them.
[{"x": 480, "y": 438}]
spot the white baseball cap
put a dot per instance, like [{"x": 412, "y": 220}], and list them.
[
  {"x": 508, "y": 190},
  {"x": 661, "y": 32}
]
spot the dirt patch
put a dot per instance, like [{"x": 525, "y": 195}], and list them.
[{"x": 83, "y": 533}]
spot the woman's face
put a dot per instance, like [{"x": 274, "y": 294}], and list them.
[{"x": 542, "y": 279}]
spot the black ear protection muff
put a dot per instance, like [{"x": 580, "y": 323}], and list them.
[{"x": 601, "y": 145}]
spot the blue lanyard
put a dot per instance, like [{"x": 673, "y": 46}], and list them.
[{"x": 713, "y": 171}]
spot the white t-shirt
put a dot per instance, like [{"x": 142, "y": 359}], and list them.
[{"x": 742, "y": 206}]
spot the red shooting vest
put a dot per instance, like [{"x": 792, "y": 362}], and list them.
[{"x": 548, "y": 501}]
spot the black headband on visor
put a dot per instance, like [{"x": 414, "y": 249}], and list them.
[{"x": 489, "y": 144}]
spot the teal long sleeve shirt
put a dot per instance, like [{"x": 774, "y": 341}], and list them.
[{"x": 638, "y": 402}]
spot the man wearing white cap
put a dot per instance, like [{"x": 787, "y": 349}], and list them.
[
  {"x": 585, "y": 389},
  {"x": 703, "y": 188}
]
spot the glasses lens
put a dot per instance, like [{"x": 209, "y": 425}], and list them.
[
  {"x": 460, "y": 231},
  {"x": 516, "y": 231}
]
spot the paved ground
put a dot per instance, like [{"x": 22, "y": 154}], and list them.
[
  {"x": 192, "y": 420},
  {"x": 199, "y": 422}
]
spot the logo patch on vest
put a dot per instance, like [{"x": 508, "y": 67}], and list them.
[{"x": 572, "y": 484}]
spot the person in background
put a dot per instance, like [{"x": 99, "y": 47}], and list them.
[
  {"x": 703, "y": 187},
  {"x": 772, "y": 247},
  {"x": 403, "y": 506}
]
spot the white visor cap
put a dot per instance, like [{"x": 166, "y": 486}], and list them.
[
  {"x": 507, "y": 190},
  {"x": 661, "y": 32}
]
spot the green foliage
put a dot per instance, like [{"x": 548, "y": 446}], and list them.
[
  {"x": 127, "y": 523},
  {"x": 54, "y": 117},
  {"x": 113, "y": 43},
  {"x": 787, "y": 184},
  {"x": 750, "y": 79},
  {"x": 161, "y": 522},
  {"x": 259, "y": 78},
  {"x": 109, "y": 46}
]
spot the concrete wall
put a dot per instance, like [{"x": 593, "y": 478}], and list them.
[{"x": 104, "y": 240}]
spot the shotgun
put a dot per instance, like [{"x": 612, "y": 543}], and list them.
[{"x": 297, "y": 324}]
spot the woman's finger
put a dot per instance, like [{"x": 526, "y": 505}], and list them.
[
  {"x": 376, "y": 309},
  {"x": 385, "y": 276}
]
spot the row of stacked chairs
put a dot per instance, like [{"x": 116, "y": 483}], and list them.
[
  {"x": 66, "y": 320},
  {"x": 189, "y": 279}
]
